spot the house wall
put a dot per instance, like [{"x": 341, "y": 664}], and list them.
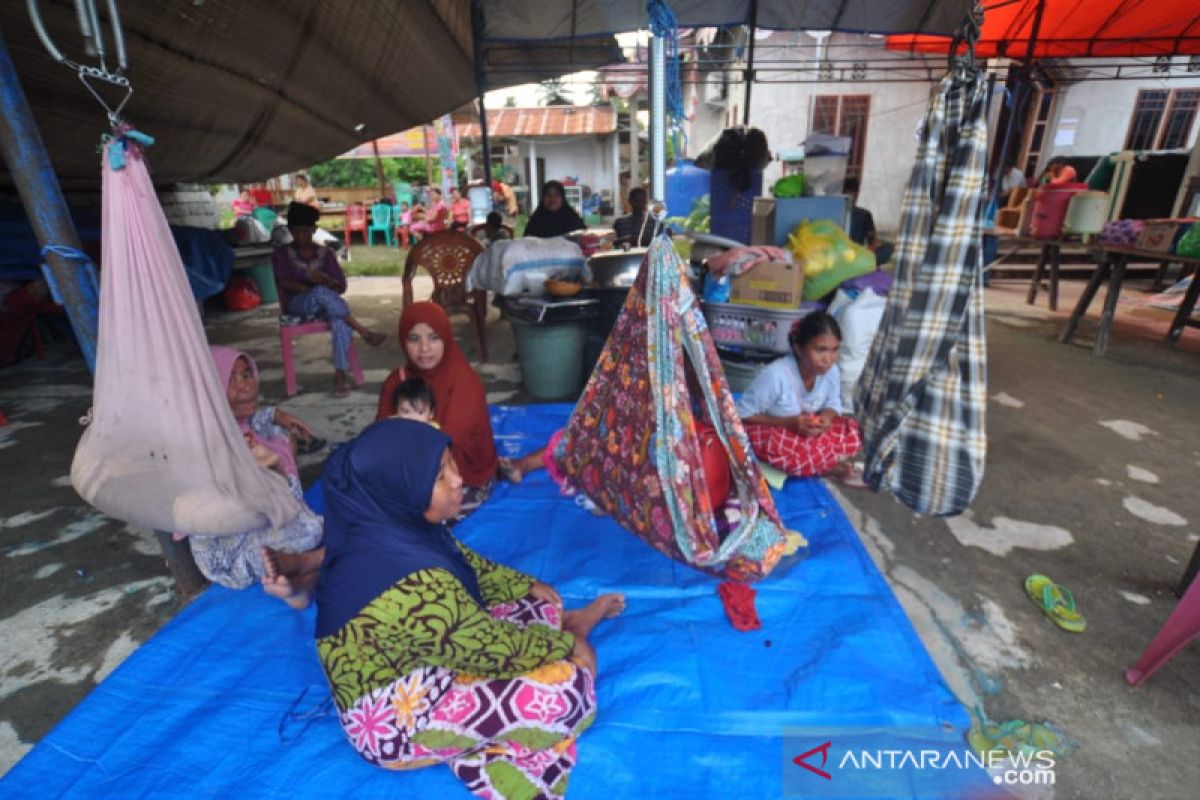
[
  {"x": 1099, "y": 111},
  {"x": 782, "y": 110},
  {"x": 588, "y": 158}
]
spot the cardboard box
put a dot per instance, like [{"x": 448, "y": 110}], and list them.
[
  {"x": 762, "y": 221},
  {"x": 772, "y": 284},
  {"x": 772, "y": 219},
  {"x": 1160, "y": 235}
]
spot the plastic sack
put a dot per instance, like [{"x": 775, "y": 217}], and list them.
[
  {"x": 248, "y": 230},
  {"x": 828, "y": 255},
  {"x": 1121, "y": 232},
  {"x": 1189, "y": 244},
  {"x": 242, "y": 295},
  {"x": 517, "y": 266},
  {"x": 859, "y": 319},
  {"x": 790, "y": 186}
]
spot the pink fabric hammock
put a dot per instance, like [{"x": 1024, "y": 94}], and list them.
[{"x": 162, "y": 450}]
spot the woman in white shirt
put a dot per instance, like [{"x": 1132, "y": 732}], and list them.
[{"x": 793, "y": 410}]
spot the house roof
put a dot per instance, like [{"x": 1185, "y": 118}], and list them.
[{"x": 545, "y": 121}]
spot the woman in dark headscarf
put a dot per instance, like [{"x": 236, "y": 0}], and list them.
[
  {"x": 553, "y": 216},
  {"x": 434, "y": 653}
]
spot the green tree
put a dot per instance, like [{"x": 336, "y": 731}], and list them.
[
  {"x": 596, "y": 91},
  {"x": 510, "y": 101},
  {"x": 552, "y": 92},
  {"x": 352, "y": 172}
]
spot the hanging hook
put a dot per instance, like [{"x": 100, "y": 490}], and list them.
[
  {"x": 89, "y": 26},
  {"x": 968, "y": 33}
]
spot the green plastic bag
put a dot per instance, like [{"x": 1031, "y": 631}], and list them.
[
  {"x": 790, "y": 186},
  {"x": 1189, "y": 244},
  {"x": 828, "y": 255}
]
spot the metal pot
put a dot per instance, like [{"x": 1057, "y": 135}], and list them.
[{"x": 616, "y": 269}]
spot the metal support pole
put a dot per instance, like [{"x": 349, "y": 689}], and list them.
[
  {"x": 750, "y": 61},
  {"x": 25, "y": 155},
  {"x": 535, "y": 180},
  {"x": 658, "y": 117},
  {"x": 477, "y": 29}
]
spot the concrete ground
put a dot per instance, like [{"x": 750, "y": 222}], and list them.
[{"x": 1090, "y": 479}]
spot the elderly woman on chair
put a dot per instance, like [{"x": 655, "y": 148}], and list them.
[{"x": 311, "y": 283}]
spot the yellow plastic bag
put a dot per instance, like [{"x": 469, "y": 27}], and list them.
[{"x": 828, "y": 255}]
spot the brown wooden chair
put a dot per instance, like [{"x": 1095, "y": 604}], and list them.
[{"x": 447, "y": 256}]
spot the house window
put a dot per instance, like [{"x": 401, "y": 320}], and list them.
[
  {"x": 1147, "y": 118},
  {"x": 845, "y": 115},
  {"x": 1181, "y": 114},
  {"x": 1162, "y": 119}
]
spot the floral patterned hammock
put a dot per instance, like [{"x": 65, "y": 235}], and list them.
[{"x": 631, "y": 445}]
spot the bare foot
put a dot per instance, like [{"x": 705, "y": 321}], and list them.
[
  {"x": 341, "y": 385},
  {"x": 606, "y": 606},
  {"x": 375, "y": 338},
  {"x": 848, "y": 474},
  {"x": 510, "y": 471},
  {"x": 291, "y": 576}
]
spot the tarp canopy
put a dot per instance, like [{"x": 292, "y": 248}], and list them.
[
  {"x": 1078, "y": 28},
  {"x": 525, "y": 20},
  {"x": 240, "y": 91}
]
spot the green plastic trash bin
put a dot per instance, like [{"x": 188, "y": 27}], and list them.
[
  {"x": 264, "y": 278},
  {"x": 551, "y": 357}
]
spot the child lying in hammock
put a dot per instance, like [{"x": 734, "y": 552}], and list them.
[
  {"x": 293, "y": 552},
  {"x": 793, "y": 408}
]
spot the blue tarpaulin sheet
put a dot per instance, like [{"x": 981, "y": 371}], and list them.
[{"x": 219, "y": 703}]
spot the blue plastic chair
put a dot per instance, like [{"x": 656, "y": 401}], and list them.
[{"x": 381, "y": 222}]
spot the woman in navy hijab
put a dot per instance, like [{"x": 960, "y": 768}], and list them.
[{"x": 434, "y": 653}]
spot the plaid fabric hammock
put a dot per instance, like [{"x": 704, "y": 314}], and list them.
[
  {"x": 922, "y": 395},
  {"x": 632, "y": 447}
]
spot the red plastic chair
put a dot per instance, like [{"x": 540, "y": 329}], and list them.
[
  {"x": 356, "y": 220},
  {"x": 1180, "y": 628}
]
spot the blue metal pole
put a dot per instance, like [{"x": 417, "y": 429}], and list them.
[{"x": 23, "y": 152}]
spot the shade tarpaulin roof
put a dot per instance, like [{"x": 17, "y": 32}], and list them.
[
  {"x": 524, "y": 20},
  {"x": 239, "y": 91},
  {"x": 1079, "y": 28}
]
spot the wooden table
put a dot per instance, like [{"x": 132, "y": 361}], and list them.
[
  {"x": 1111, "y": 263},
  {"x": 1049, "y": 260}
]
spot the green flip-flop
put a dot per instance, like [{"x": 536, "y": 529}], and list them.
[{"x": 1056, "y": 602}]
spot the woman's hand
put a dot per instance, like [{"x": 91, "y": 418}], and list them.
[
  {"x": 807, "y": 425},
  {"x": 292, "y": 424},
  {"x": 317, "y": 277},
  {"x": 265, "y": 458},
  {"x": 545, "y": 592}
]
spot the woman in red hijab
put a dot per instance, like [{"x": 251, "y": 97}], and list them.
[{"x": 461, "y": 403}]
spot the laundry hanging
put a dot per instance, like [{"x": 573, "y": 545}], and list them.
[
  {"x": 162, "y": 449},
  {"x": 633, "y": 444},
  {"x": 922, "y": 395}
]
